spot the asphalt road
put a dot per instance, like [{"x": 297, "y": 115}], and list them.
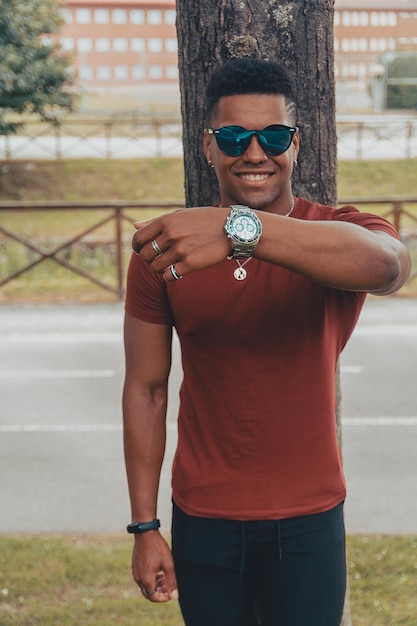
[{"x": 61, "y": 457}]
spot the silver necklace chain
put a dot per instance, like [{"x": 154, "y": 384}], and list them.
[{"x": 240, "y": 273}]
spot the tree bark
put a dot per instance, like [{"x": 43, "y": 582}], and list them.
[{"x": 296, "y": 33}]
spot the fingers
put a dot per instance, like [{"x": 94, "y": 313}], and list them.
[
  {"x": 161, "y": 590},
  {"x": 153, "y": 568},
  {"x": 153, "y": 253}
]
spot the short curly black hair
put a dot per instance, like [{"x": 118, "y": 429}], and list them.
[{"x": 249, "y": 76}]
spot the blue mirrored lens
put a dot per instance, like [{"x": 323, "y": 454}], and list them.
[{"x": 235, "y": 140}]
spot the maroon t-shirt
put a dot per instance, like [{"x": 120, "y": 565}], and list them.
[{"x": 256, "y": 424}]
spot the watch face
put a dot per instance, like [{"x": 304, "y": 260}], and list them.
[{"x": 245, "y": 228}]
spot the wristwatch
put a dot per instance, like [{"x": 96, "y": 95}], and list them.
[
  {"x": 244, "y": 229},
  {"x": 137, "y": 528}
]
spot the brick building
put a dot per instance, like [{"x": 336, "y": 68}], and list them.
[
  {"x": 364, "y": 30},
  {"x": 117, "y": 43},
  {"x": 131, "y": 42}
]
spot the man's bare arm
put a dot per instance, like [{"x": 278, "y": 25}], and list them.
[{"x": 148, "y": 362}]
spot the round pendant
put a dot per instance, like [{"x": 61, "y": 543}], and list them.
[{"x": 240, "y": 273}]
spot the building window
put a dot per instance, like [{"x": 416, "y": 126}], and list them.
[
  {"x": 345, "y": 45},
  {"x": 374, "y": 18},
  {"x": 155, "y": 44},
  {"x": 85, "y": 72},
  {"x": 169, "y": 16},
  {"x": 336, "y": 44},
  {"x": 121, "y": 72},
  {"x": 138, "y": 72},
  {"x": 101, "y": 16},
  {"x": 171, "y": 44},
  {"x": 171, "y": 72},
  {"x": 120, "y": 44},
  {"x": 83, "y": 16},
  {"x": 383, "y": 18},
  {"x": 137, "y": 16},
  {"x": 66, "y": 16},
  {"x": 363, "y": 44},
  {"x": 103, "y": 72},
  {"x": 119, "y": 16},
  {"x": 364, "y": 18},
  {"x": 67, "y": 43},
  {"x": 84, "y": 44},
  {"x": 137, "y": 44},
  {"x": 102, "y": 44},
  {"x": 155, "y": 72},
  {"x": 354, "y": 18},
  {"x": 346, "y": 18},
  {"x": 392, "y": 18},
  {"x": 336, "y": 18},
  {"x": 154, "y": 17}
]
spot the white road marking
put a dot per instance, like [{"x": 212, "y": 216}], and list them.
[
  {"x": 57, "y": 373},
  {"x": 379, "y": 421},
  {"x": 351, "y": 369},
  {"x": 7, "y": 374},
  {"x": 172, "y": 426}
]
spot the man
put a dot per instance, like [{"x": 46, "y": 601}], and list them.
[{"x": 264, "y": 290}]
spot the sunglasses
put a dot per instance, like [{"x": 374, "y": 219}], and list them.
[{"x": 235, "y": 140}]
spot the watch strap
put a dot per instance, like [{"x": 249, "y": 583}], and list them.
[{"x": 137, "y": 528}]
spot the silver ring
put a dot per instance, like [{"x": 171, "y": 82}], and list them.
[
  {"x": 174, "y": 272},
  {"x": 155, "y": 246},
  {"x": 149, "y": 593}
]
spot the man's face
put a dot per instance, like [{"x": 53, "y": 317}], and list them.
[{"x": 255, "y": 179}]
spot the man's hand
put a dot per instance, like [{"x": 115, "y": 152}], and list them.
[
  {"x": 183, "y": 241},
  {"x": 153, "y": 567}
]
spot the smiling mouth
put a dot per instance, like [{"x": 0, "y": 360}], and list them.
[{"x": 254, "y": 178}]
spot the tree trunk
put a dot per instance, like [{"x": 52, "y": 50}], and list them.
[{"x": 298, "y": 34}]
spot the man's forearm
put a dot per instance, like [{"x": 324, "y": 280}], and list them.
[{"x": 144, "y": 448}]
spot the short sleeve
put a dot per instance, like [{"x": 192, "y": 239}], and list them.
[{"x": 146, "y": 293}]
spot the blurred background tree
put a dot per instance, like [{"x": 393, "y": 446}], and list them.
[
  {"x": 401, "y": 76},
  {"x": 35, "y": 75}
]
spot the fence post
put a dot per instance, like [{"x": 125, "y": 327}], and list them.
[
  {"x": 397, "y": 210},
  {"x": 409, "y": 138},
  {"x": 58, "y": 151},
  {"x": 359, "y": 139},
  {"x": 108, "y": 133},
  {"x": 119, "y": 252}
]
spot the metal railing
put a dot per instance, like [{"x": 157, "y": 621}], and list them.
[
  {"x": 135, "y": 137},
  {"x": 119, "y": 213}
]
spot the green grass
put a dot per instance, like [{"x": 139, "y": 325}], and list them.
[
  {"x": 361, "y": 179},
  {"x": 73, "y": 580},
  {"x": 79, "y": 180},
  {"x": 163, "y": 179},
  {"x": 137, "y": 179}
]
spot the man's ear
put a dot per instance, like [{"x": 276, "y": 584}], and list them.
[{"x": 207, "y": 146}]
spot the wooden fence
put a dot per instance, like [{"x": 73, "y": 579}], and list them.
[{"x": 115, "y": 214}]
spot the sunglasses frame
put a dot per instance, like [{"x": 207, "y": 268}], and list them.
[{"x": 241, "y": 149}]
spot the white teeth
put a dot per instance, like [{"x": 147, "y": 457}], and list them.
[{"x": 254, "y": 177}]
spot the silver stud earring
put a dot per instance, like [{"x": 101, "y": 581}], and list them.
[{"x": 211, "y": 165}]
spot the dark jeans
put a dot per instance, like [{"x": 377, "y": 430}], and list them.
[{"x": 289, "y": 572}]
